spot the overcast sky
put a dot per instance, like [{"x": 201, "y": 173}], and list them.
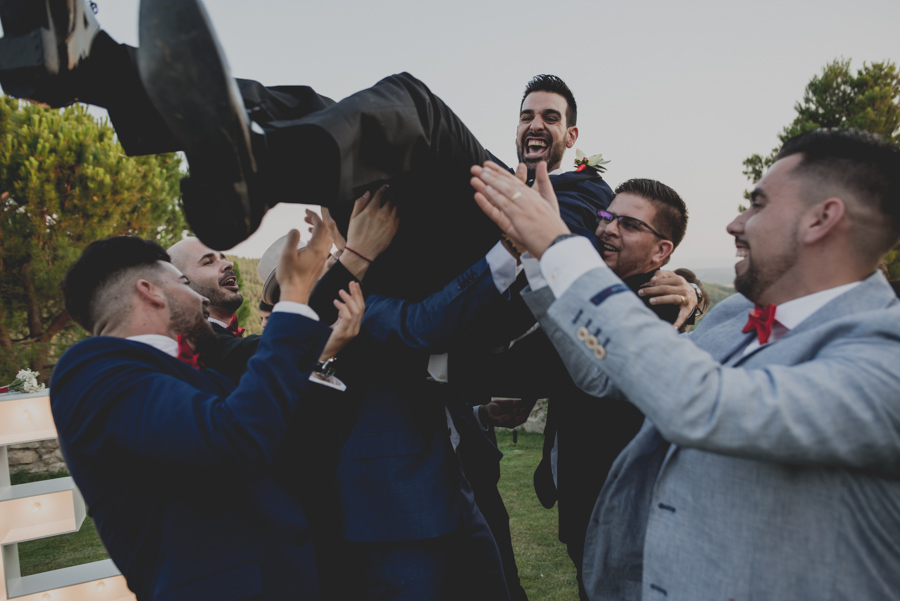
[{"x": 680, "y": 91}]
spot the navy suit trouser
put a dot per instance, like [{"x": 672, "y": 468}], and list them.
[{"x": 464, "y": 564}]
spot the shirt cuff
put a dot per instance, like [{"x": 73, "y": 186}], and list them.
[
  {"x": 532, "y": 268},
  {"x": 566, "y": 261},
  {"x": 295, "y": 308},
  {"x": 503, "y": 267}
]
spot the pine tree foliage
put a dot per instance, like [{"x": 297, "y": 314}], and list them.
[
  {"x": 868, "y": 99},
  {"x": 64, "y": 182}
]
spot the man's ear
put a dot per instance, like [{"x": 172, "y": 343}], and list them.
[
  {"x": 821, "y": 219},
  {"x": 663, "y": 249},
  {"x": 150, "y": 294},
  {"x": 571, "y": 136}
]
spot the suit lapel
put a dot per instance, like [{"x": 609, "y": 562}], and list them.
[
  {"x": 726, "y": 340},
  {"x": 872, "y": 294}
]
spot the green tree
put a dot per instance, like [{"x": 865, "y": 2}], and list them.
[
  {"x": 868, "y": 100},
  {"x": 64, "y": 182}
]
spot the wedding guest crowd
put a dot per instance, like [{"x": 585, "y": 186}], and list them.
[{"x": 348, "y": 452}]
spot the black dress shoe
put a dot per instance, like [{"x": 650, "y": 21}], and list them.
[
  {"x": 44, "y": 43},
  {"x": 187, "y": 79}
]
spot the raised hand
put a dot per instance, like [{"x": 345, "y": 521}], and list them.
[
  {"x": 332, "y": 228},
  {"x": 299, "y": 269},
  {"x": 530, "y": 216},
  {"x": 351, "y": 306},
  {"x": 373, "y": 225}
]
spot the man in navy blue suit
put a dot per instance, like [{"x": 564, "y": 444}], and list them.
[
  {"x": 171, "y": 459},
  {"x": 372, "y": 464}
]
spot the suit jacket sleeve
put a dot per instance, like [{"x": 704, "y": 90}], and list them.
[
  {"x": 834, "y": 404},
  {"x": 112, "y": 396},
  {"x": 438, "y": 321}
]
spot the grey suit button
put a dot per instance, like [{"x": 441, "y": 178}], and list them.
[
  {"x": 600, "y": 352},
  {"x": 582, "y": 333},
  {"x": 591, "y": 342}
]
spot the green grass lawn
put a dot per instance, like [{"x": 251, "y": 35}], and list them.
[{"x": 545, "y": 570}]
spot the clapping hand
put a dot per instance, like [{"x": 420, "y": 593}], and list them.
[
  {"x": 373, "y": 225},
  {"x": 299, "y": 269},
  {"x": 530, "y": 216},
  {"x": 351, "y": 306}
]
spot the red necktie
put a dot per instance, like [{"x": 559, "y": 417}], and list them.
[
  {"x": 761, "y": 320},
  {"x": 233, "y": 327},
  {"x": 187, "y": 355}
]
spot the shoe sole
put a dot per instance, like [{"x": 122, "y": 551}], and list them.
[
  {"x": 186, "y": 76},
  {"x": 31, "y": 62}
]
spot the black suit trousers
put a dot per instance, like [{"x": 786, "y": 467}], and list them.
[{"x": 328, "y": 153}]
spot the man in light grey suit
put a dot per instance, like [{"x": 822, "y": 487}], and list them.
[{"x": 769, "y": 464}]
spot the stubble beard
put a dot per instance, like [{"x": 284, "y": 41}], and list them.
[
  {"x": 553, "y": 158},
  {"x": 221, "y": 299},
  {"x": 190, "y": 322},
  {"x": 754, "y": 282}
]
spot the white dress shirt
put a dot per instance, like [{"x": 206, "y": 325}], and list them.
[
  {"x": 170, "y": 346},
  {"x": 791, "y": 314},
  {"x": 504, "y": 270}
]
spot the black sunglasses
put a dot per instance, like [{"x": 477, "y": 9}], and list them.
[{"x": 629, "y": 224}]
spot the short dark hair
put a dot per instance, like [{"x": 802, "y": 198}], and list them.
[
  {"x": 552, "y": 83},
  {"x": 100, "y": 262},
  {"x": 671, "y": 212},
  {"x": 264, "y": 306},
  {"x": 863, "y": 163}
]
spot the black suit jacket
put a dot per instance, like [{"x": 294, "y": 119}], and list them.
[
  {"x": 591, "y": 433},
  {"x": 228, "y": 354}
]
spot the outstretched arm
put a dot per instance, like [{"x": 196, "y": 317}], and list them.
[{"x": 373, "y": 225}]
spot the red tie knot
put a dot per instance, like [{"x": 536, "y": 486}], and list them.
[
  {"x": 761, "y": 320},
  {"x": 233, "y": 327}
]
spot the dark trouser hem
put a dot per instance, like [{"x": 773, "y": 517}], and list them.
[{"x": 576, "y": 554}]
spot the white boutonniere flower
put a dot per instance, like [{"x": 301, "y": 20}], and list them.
[{"x": 595, "y": 162}]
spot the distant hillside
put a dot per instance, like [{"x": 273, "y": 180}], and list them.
[
  {"x": 716, "y": 275},
  {"x": 717, "y": 292}
]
